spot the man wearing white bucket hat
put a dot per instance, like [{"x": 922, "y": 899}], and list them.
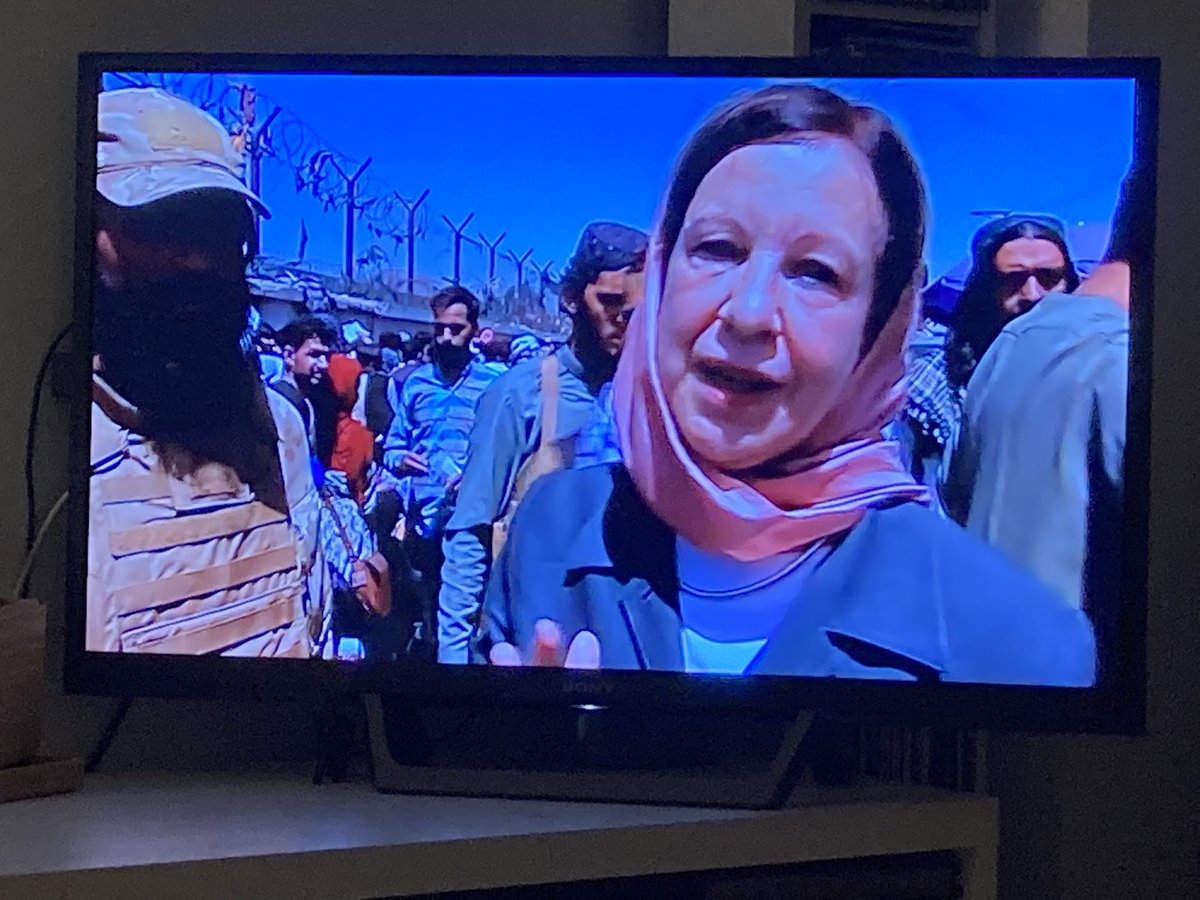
[{"x": 203, "y": 510}]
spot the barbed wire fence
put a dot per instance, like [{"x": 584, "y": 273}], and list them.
[{"x": 396, "y": 224}]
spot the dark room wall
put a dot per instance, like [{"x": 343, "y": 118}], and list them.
[
  {"x": 1083, "y": 818},
  {"x": 39, "y": 40},
  {"x": 1110, "y": 817}
]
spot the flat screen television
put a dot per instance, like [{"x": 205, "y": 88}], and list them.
[{"x": 677, "y": 383}]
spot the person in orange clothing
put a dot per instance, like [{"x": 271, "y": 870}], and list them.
[{"x": 353, "y": 442}]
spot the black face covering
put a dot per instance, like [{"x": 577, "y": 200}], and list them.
[
  {"x": 598, "y": 364},
  {"x": 325, "y": 406},
  {"x": 448, "y": 356},
  {"x": 172, "y": 347}
]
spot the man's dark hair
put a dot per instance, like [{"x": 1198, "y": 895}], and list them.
[
  {"x": 1132, "y": 238},
  {"x": 392, "y": 341},
  {"x": 304, "y": 328},
  {"x": 497, "y": 349},
  {"x": 450, "y": 296},
  {"x": 793, "y": 113},
  {"x": 603, "y": 247},
  {"x": 265, "y": 333},
  {"x": 978, "y": 319}
]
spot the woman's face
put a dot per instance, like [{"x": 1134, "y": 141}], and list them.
[{"x": 766, "y": 297}]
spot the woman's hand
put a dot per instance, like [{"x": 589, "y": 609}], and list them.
[{"x": 547, "y": 649}]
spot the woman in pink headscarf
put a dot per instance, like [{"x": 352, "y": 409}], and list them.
[{"x": 761, "y": 523}]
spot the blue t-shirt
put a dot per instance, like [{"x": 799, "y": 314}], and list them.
[
  {"x": 729, "y": 608},
  {"x": 596, "y": 444}
]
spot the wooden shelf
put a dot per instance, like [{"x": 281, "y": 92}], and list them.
[{"x": 889, "y": 13}]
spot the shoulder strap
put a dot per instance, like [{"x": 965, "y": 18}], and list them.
[
  {"x": 337, "y": 521},
  {"x": 550, "y": 392}
]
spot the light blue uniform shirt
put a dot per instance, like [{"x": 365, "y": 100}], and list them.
[
  {"x": 1037, "y": 467},
  {"x": 507, "y": 432},
  {"x": 434, "y": 418}
]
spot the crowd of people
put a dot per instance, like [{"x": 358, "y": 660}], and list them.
[{"x": 754, "y": 453}]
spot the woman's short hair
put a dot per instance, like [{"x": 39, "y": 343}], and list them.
[
  {"x": 779, "y": 112},
  {"x": 978, "y": 319}
]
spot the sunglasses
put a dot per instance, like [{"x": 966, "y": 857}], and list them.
[
  {"x": 1011, "y": 282},
  {"x": 455, "y": 328}
]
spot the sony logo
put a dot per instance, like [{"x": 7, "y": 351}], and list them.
[{"x": 586, "y": 687}]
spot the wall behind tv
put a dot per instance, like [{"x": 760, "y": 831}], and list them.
[
  {"x": 1083, "y": 818},
  {"x": 1105, "y": 817},
  {"x": 39, "y": 42}
]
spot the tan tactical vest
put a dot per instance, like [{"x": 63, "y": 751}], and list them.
[{"x": 191, "y": 564}]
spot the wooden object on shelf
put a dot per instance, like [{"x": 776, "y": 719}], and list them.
[
  {"x": 22, "y": 693},
  {"x": 40, "y": 777}
]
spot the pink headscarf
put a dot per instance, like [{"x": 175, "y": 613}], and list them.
[{"x": 851, "y": 470}]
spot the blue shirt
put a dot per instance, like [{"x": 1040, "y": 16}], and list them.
[
  {"x": 507, "y": 431},
  {"x": 434, "y": 418},
  {"x": 729, "y": 608},
  {"x": 596, "y": 444},
  {"x": 270, "y": 367},
  {"x": 1037, "y": 470},
  {"x": 903, "y": 595}
]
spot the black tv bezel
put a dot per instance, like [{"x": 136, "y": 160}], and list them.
[{"x": 1116, "y": 706}]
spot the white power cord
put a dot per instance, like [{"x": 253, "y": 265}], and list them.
[{"x": 22, "y": 583}]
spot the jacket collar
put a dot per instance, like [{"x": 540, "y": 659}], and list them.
[
  {"x": 570, "y": 362},
  {"x": 883, "y": 591},
  {"x": 881, "y": 588},
  {"x": 624, "y": 538}
]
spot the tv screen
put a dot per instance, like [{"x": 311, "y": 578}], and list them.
[{"x": 655, "y": 380}]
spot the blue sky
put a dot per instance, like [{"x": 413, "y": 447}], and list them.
[{"x": 538, "y": 157}]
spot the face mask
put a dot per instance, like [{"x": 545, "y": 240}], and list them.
[
  {"x": 173, "y": 347},
  {"x": 449, "y": 355}
]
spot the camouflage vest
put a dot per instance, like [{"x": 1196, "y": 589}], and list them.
[{"x": 186, "y": 564}]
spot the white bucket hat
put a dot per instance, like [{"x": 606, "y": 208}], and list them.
[{"x": 152, "y": 145}]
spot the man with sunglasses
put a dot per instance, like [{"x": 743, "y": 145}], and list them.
[
  {"x": 600, "y": 289},
  {"x": 1016, "y": 260},
  {"x": 426, "y": 444},
  {"x": 1038, "y": 466}
]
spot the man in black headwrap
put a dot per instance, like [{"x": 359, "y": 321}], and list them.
[
  {"x": 1016, "y": 260},
  {"x": 541, "y": 415},
  {"x": 1038, "y": 467},
  {"x": 202, "y": 530}
]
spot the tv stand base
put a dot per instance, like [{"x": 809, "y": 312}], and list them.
[{"x": 598, "y": 755}]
